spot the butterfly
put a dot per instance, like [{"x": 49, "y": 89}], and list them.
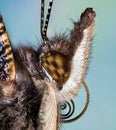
[{"x": 35, "y": 82}]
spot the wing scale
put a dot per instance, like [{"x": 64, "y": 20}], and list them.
[{"x": 7, "y": 67}]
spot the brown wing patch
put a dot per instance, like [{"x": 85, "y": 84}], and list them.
[
  {"x": 57, "y": 65},
  {"x": 7, "y": 67}
]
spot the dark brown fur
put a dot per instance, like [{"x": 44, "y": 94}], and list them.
[{"x": 20, "y": 111}]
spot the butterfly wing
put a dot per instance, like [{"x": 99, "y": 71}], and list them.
[
  {"x": 7, "y": 67},
  {"x": 65, "y": 60}
]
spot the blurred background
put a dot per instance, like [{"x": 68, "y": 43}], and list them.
[{"x": 22, "y": 20}]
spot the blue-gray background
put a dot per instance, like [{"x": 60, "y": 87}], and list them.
[{"x": 22, "y": 21}]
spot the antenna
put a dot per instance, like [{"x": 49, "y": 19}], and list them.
[{"x": 44, "y": 24}]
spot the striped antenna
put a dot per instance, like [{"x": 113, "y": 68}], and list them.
[
  {"x": 42, "y": 18},
  {"x": 44, "y": 26}
]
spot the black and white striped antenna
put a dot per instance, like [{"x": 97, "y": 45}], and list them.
[{"x": 44, "y": 24}]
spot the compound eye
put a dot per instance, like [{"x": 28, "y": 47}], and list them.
[{"x": 57, "y": 65}]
